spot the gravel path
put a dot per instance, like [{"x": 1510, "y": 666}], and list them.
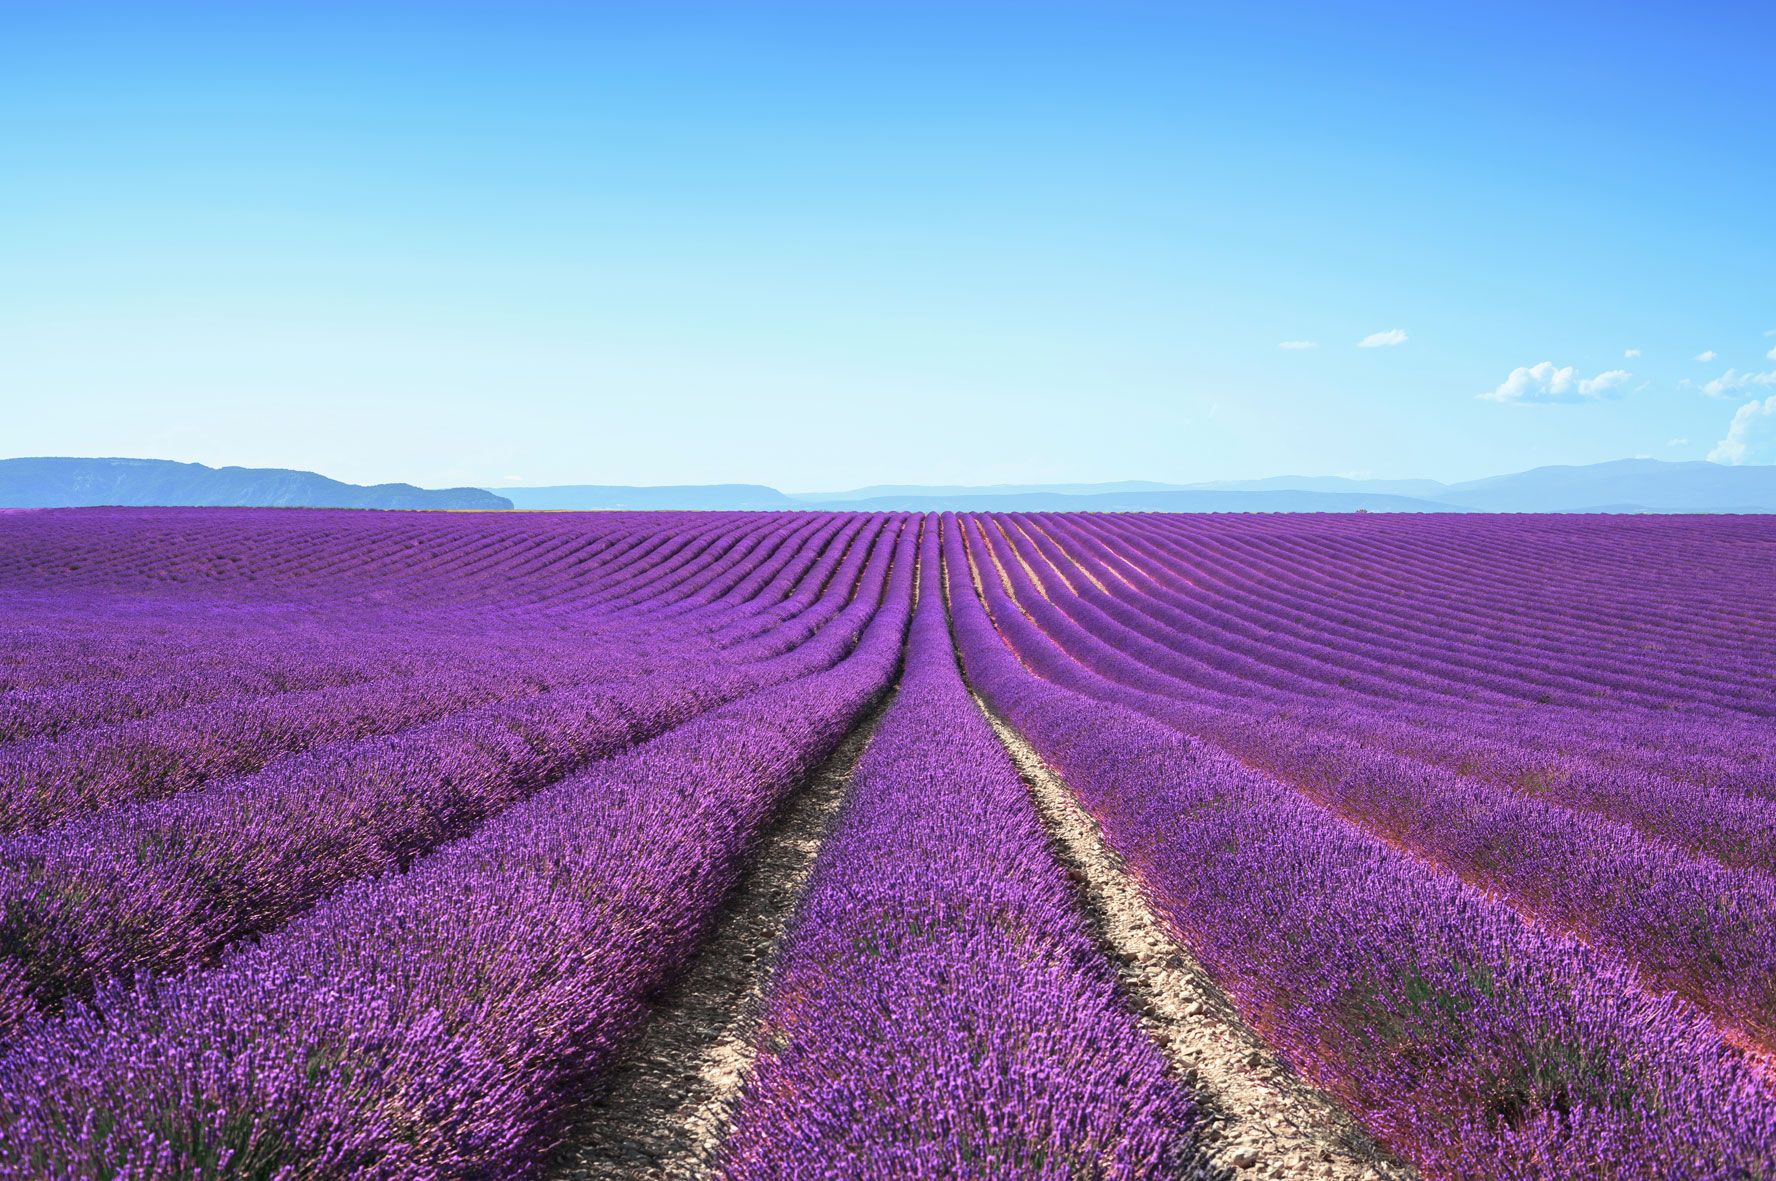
[
  {"x": 661, "y": 1116},
  {"x": 1265, "y": 1120}
]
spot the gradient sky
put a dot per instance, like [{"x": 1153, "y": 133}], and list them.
[{"x": 819, "y": 246}]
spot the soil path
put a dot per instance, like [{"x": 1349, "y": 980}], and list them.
[
  {"x": 662, "y": 1114},
  {"x": 1264, "y": 1120}
]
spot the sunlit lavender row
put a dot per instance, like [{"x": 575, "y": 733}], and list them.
[{"x": 364, "y": 844}]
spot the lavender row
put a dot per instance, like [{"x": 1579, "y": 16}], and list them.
[
  {"x": 150, "y": 676},
  {"x": 183, "y": 749},
  {"x": 1716, "y": 821},
  {"x": 1378, "y": 618},
  {"x": 1592, "y": 570},
  {"x": 513, "y": 564},
  {"x": 1466, "y": 1040},
  {"x": 938, "y": 1008},
  {"x": 1748, "y": 751},
  {"x": 1474, "y": 625},
  {"x": 1371, "y": 635},
  {"x": 147, "y": 654},
  {"x": 157, "y": 885},
  {"x": 45, "y": 780},
  {"x": 1687, "y": 925},
  {"x": 440, "y": 1021}
]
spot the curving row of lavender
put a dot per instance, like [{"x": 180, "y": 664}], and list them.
[
  {"x": 1463, "y": 1024},
  {"x": 1688, "y": 924},
  {"x": 469, "y": 664},
  {"x": 149, "y": 883},
  {"x": 939, "y": 1008},
  {"x": 346, "y": 843},
  {"x": 439, "y": 1021}
]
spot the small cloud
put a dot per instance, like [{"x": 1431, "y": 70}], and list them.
[
  {"x": 1770, "y": 332},
  {"x": 1642, "y": 455},
  {"x": 1631, "y": 352},
  {"x": 1677, "y": 442},
  {"x": 1731, "y": 383},
  {"x": 1771, "y": 355},
  {"x": 1377, "y": 340},
  {"x": 1751, "y": 435},
  {"x": 1706, "y": 355},
  {"x": 512, "y": 477},
  {"x": 1299, "y": 344},
  {"x": 1545, "y": 383}
]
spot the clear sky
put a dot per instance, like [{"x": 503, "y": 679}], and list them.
[{"x": 823, "y": 245}]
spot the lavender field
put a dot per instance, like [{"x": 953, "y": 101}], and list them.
[{"x": 391, "y": 845}]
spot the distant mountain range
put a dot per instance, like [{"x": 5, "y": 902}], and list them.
[
  {"x": 728, "y": 497},
  {"x": 1623, "y": 485},
  {"x": 1182, "y": 501},
  {"x": 1627, "y": 485},
  {"x": 73, "y": 483}
]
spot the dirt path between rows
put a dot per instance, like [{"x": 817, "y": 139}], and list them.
[
  {"x": 663, "y": 1113},
  {"x": 1264, "y": 1120}
]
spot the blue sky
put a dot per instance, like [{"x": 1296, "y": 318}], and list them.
[{"x": 818, "y": 246}]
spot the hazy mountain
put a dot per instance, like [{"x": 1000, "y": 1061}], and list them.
[
  {"x": 1625, "y": 485},
  {"x": 1429, "y": 489},
  {"x": 728, "y": 497},
  {"x": 71, "y": 483},
  {"x": 1148, "y": 502},
  {"x": 1628, "y": 485},
  {"x": 881, "y": 491}
]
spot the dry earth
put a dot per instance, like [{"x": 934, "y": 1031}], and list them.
[
  {"x": 663, "y": 1114},
  {"x": 1265, "y": 1120}
]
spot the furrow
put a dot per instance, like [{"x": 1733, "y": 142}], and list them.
[
  {"x": 1262, "y": 1119},
  {"x": 663, "y": 1114}
]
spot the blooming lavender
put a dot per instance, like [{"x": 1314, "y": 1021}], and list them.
[
  {"x": 348, "y": 843},
  {"x": 161, "y": 884},
  {"x": 1468, "y": 1040},
  {"x": 439, "y": 1021},
  {"x": 939, "y": 1008}
]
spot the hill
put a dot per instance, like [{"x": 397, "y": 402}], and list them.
[
  {"x": 1625, "y": 485},
  {"x": 1146, "y": 502},
  {"x": 74, "y": 483},
  {"x": 728, "y": 497},
  {"x": 1619, "y": 486}
]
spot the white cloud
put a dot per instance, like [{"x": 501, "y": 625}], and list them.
[
  {"x": 1376, "y": 340},
  {"x": 1771, "y": 355},
  {"x": 1631, "y": 352},
  {"x": 1751, "y": 435},
  {"x": 1706, "y": 355},
  {"x": 1299, "y": 344},
  {"x": 1678, "y": 443},
  {"x": 1732, "y": 382},
  {"x": 1770, "y": 332},
  {"x": 1545, "y": 383}
]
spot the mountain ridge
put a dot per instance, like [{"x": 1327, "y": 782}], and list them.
[
  {"x": 1625, "y": 486},
  {"x": 74, "y": 482}
]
